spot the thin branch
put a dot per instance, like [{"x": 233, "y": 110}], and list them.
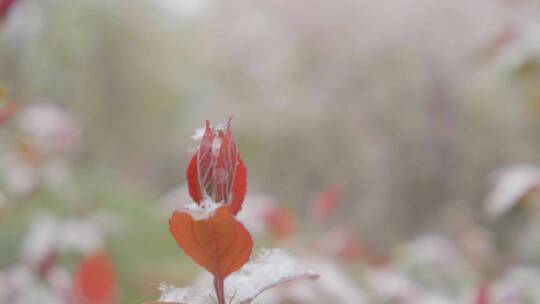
[{"x": 309, "y": 276}]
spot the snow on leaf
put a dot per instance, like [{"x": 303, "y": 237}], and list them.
[
  {"x": 198, "y": 135},
  {"x": 171, "y": 294},
  {"x": 216, "y": 169},
  {"x": 271, "y": 269},
  {"x": 219, "y": 243}
]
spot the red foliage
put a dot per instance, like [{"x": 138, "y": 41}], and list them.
[
  {"x": 7, "y": 110},
  {"x": 483, "y": 294},
  {"x": 4, "y": 7},
  {"x": 216, "y": 170},
  {"x": 220, "y": 243},
  {"x": 95, "y": 280},
  {"x": 280, "y": 222},
  {"x": 326, "y": 201}
]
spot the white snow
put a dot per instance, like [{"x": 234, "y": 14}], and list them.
[
  {"x": 40, "y": 241},
  {"x": 511, "y": 184},
  {"x": 271, "y": 268},
  {"x": 519, "y": 285},
  {"x": 524, "y": 48},
  {"x": 198, "y": 135},
  {"x": 216, "y": 145},
  {"x": 184, "y": 295},
  {"x": 201, "y": 211},
  {"x": 52, "y": 128},
  {"x": 336, "y": 283},
  {"x": 80, "y": 235},
  {"x": 47, "y": 235}
]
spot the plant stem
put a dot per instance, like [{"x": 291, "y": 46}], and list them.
[{"x": 219, "y": 286}]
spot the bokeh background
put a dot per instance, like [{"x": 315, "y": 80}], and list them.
[{"x": 405, "y": 108}]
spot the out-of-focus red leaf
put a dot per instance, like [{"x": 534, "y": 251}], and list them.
[
  {"x": 340, "y": 244},
  {"x": 281, "y": 222},
  {"x": 497, "y": 43},
  {"x": 483, "y": 294},
  {"x": 353, "y": 250},
  {"x": 95, "y": 280},
  {"x": 4, "y": 7},
  {"x": 216, "y": 169},
  {"x": 326, "y": 201},
  {"x": 219, "y": 243},
  {"x": 47, "y": 263},
  {"x": 7, "y": 110}
]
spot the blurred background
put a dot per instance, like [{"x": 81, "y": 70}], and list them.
[{"x": 401, "y": 120}]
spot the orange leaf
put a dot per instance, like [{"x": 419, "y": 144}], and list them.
[
  {"x": 95, "y": 280},
  {"x": 219, "y": 243}
]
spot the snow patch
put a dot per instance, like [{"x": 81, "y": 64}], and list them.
[
  {"x": 271, "y": 268},
  {"x": 207, "y": 208},
  {"x": 198, "y": 135}
]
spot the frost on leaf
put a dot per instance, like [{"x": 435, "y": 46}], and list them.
[
  {"x": 216, "y": 169},
  {"x": 271, "y": 268}
]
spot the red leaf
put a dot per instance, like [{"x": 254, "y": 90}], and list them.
[
  {"x": 483, "y": 294},
  {"x": 216, "y": 169},
  {"x": 4, "y": 7},
  {"x": 205, "y": 159},
  {"x": 325, "y": 202},
  {"x": 95, "y": 280},
  {"x": 219, "y": 243},
  {"x": 239, "y": 187},
  {"x": 192, "y": 175},
  {"x": 281, "y": 222},
  {"x": 7, "y": 110}
]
